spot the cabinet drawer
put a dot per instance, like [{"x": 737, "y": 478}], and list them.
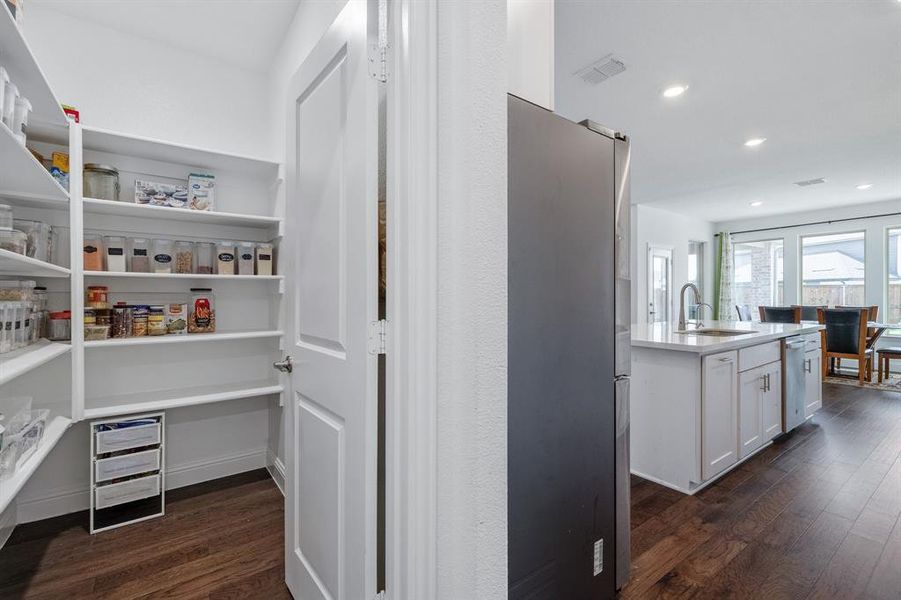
[
  {"x": 762, "y": 354},
  {"x": 127, "y": 438},
  {"x": 811, "y": 341},
  {"x": 127, "y": 491},
  {"x": 128, "y": 464}
]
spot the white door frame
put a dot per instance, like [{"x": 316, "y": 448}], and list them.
[
  {"x": 412, "y": 385},
  {"x": 652, "y": 248}
]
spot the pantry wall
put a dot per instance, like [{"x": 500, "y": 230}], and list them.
[{"x": 213, "y": 429}]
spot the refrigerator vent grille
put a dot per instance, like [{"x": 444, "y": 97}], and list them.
[
  {"x": 601, "y": 70},
  {"x": 810, "y": 182}
]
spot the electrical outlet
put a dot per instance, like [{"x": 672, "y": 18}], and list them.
[{"x": 599, "y": 557}]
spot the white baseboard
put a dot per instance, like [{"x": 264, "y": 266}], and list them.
[
  {"x": 64, "y": 501},
  {"x": 276, "y": 469}
]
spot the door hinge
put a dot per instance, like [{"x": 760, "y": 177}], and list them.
[
  {"x": 378, "y": 53},
  {"x": 378, "y": 337}
]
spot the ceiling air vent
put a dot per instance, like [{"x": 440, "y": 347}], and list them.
[
  {"x": 601, "y": 70},
  {"x": 810, "y": 182}
]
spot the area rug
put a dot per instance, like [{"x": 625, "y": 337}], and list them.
[{"x": 892, "y": 384}]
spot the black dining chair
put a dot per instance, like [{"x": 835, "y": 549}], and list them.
[
  {"x": 808, "y": 312},
  {"x": 845, "y": 336},
  {"x": 744, "y": 312},
  {"x": 780, "y": 314}
]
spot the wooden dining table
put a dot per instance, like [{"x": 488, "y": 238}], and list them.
[{"x": 879, "y": 330}]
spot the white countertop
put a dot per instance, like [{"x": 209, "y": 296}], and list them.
[{"x": 664, "y": 337}]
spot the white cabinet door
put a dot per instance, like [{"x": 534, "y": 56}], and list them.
[
  {"x": 771, "y": 402},
  {"x": 813, "y": 398},
  {"x": 332, "y": 292},
  {"x": 719, "y": 413},
  {"x": 751, "y": 391}
]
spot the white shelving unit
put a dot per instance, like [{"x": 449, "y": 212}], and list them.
[
  {"x": 176, "y": 398},
  {"x": 183, "y": 276},
  {"x": 24, "y": 178},
  {"x": 23, "y": 360},
  {"x": 147, "y": 211},
  {"x": 9, "y": 488},
  {"x": 18, "y": 265},
  {"x": 194, "y": 338}
]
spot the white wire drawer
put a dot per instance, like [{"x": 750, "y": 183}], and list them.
[
  {"x": 127, "y": 464},
  {"x": 125, "y": 438},
  {"x": 127, "y": 491}
]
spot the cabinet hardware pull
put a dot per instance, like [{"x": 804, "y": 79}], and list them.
[{"x": 725, "y": 359}]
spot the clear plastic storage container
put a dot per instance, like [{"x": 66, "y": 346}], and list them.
[
  {"x": 162, "y": 256},
  {"x": 264, "y": 259},
  {"x": 139, "y": 256},
  {"x": 225, "y": 258},
  {"x": 184, "y": 257},
  {"x": 39, "y": 236},
  {"x": 245, "y": 258},
  {"x": 202, "y": 311},
  {"x": 206, "y": 258},
  {"x": 93, "y": 252},
  {"x": 115, "y": 253}
]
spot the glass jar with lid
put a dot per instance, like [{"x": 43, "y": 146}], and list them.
[
  {"x": 97, "y": 296},
  {"x": 101, "y": 182},
  {"x": 11, "y": 239},
  {"x": 162, "y": 256}
]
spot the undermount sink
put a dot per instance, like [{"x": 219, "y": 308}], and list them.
[{"x": 713, "y": 332}]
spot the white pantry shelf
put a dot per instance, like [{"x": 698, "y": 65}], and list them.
[
  {"x": 19, "y": 265},
  {"x": 183, "y": 339},
  {"x": 22, "y": 177},
  {"x": 147, "y": 211},
  {"x": 18, "y": 362},
  {"x": 53, "y": 431},
  {"x": 124, "y": 404},
  {"x": 116, "y": 275},
  {"x": 102, "y": 140},
  {"x": 26, "y": 74}
]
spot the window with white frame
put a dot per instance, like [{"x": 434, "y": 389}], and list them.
[
  {"x": 893, "y": 278},
  {"x": 758, "y": 278},
  {"x": 833, "y": 267},
  {"x": 696, "y": 272}
]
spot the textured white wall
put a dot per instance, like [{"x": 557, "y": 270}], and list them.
[
  {"x": 665, "y": 228},
  {"x": 472, "y": 301},
  {"x": 530, "y": 50},
  {"x": 131, "y": 84}
]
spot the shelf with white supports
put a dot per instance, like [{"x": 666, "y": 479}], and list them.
[
  {"x": 18, "y": 362},
  {"x": 111, "y": 142},
  {"x": 24, "y": 71},
  {"x": 19, "y": 265},
  {"x": 53, "y": 431},
  {"x": 184, "y": 339},
  {"x": 148, "y": 211},
  {"x": 24, "y": 178},
  {"x": 124, "y": 404},
  {"x": 188, "y": 276}
]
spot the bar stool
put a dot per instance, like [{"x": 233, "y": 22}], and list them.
[{"x": 884, "y": 361}]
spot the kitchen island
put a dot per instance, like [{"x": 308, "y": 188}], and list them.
[{"x": 704, "y": 401}]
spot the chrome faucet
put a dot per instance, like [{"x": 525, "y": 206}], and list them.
[{"x": 697, "y": 300}]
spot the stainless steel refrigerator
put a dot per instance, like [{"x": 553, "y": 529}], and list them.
[{"x": 568, "y": 356}]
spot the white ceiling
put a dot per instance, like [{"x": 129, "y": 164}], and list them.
[
  {"x": 245, "y": 33},
  {"x": 821, "y": 80}
]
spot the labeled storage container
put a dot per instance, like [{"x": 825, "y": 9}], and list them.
[
  {"x": 245, "y": 257},
  {"x": 206, "y": 258},
  {"x": 202, "y": 311},
  {"x": 264, "y": 259},
  {"x": 124, "y": 465},
  {"x": 115, "y": 253},
  {"x": 101, "y": 182},
  {"x": 225, "y": 258},
  {"x": 139, "y": 256},
  {"x": 121, "y": 322},
  {"x": 60, "y": 325},
  {"x": 93, "y": 252},
  {"x": 184, "y": 257},
  {"x": 162, "y": 256},
  {"x": 127, "y": 491},
  {"x": 97, "y": 296}
]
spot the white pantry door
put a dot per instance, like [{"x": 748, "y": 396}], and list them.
[{"x": 332, "y": 296}]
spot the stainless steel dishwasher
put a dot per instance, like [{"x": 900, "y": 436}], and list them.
[{"x": 793, "y": 386}]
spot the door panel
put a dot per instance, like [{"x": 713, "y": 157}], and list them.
[
  {"x": 813, "y": 400},
  {"x": 771, "y": 412},
  {"x": 660, "y": 284},
  {"x": 750, "y": 402},
  {"x": 719, "y": 413},
  {"x": 331, "y": 422}
]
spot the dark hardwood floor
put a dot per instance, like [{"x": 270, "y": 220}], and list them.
[
  {"x": 219, "y": 540},
  {"x": 815, "y": 515}
]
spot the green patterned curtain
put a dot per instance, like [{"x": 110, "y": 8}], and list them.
[{"x": 723, "y": 278}]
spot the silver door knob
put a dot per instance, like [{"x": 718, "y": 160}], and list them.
[{"x": 285, "y": 366}]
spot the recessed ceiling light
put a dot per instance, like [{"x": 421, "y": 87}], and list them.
[
  {"x": 678, "y": 90},
  {"x": 754, "y": 142},
  {"x": 758, "y": 202},
  {"x": 866, "y": 186}
]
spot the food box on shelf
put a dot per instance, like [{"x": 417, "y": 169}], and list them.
[
  {"x": 161, "y": 194},
  {"x": 201, "y": 191},
  {"x": 177, "y": 319}
]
